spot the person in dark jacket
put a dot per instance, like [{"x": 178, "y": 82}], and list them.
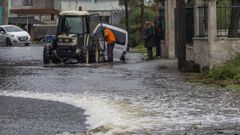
[
  {"x": 149, "y": 39},
  {"x": 158, "y": 38}
]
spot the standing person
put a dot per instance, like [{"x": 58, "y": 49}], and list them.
[
  {"x": 110, "y": 39},
  {"x": 149, "y": 39},
  {"x": 158, "y": 38}
]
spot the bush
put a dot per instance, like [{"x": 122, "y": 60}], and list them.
[{"x": 228, "y": 71}]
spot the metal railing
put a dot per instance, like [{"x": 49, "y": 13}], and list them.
[
  {"x": 203, "y": 21},
  {"x": 224, "y": 12}
]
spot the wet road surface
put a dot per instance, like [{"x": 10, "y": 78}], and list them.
[
  {"x": 133, "y": 98},
  {"x": 27, "y": 116}
]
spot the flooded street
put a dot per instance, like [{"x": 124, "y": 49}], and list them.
[{"x": 149, "y": 98}]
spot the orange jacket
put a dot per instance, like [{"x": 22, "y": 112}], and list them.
[{"x": 109, "y": 36}]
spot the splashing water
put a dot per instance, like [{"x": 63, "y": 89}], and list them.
[
  {"x": 108, "y": 116},
  {"x": 103, "y": 114}
]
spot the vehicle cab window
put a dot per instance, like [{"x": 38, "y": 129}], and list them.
[{"x": 2, "y": 31}]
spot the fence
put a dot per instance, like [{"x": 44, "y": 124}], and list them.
[
  {"x": 203, "y": 21},
  {"x": 224, "y": 17},
  {"x": 224, "y": 14}
]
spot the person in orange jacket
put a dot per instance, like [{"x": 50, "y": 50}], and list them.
[{"x": 110, "y": 39}]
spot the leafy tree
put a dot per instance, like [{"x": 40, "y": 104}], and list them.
[{"x": 135, "y": 20}]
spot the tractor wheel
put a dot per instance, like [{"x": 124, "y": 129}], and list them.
[
  {"x": 55, "y": 60},
  {"x": 8, "y": 42},
  {"x": 47, "y": 53},
  {"x": 92, "y": 56}
]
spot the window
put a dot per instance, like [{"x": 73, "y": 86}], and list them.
[
  {"x": 74, "y": 25},
  {"x": 2, "y": 30},
  {"x": 27, "y": 2},
  {"x": 13, "y": 29}
]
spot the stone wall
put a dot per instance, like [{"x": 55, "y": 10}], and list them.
[
  {"x": 223, "y": 50},
  {"x": 210, "y": 55},
  {"x": 201, "y": 52}
]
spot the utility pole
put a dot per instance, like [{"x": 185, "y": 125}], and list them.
[
  {"x": 142, "y": 17},
  {"x": 126, "y": 18},
  {"x": 126, "y": 14},
  {"x": 181, "y": 34}
]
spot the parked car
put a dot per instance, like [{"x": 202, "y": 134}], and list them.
[{"x": 13, "y": 35}]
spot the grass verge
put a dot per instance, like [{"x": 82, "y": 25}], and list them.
[
  {"x": 226, "y": 75},
  {"x": 141, "y": 49}
]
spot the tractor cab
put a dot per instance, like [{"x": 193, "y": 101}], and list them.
[
  {"x": 74, "y": 41},
  {"x": 71, "y": 39}
]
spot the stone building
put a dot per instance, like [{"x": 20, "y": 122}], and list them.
[
  {"x": 209, "y": 42},
  {"x": 109, "y": 10},
  {"x": 42, "y": 10},
  {"x": 38, "y": 17}
]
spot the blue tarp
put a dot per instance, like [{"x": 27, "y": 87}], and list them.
[{"x": 49, "y": 38}]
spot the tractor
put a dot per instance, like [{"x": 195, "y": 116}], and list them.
[{"x": 74, "y": 43}]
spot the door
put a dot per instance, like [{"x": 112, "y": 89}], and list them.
[
  {"x": 121, "y": 44},
  {"x": 2, "y": 35}
]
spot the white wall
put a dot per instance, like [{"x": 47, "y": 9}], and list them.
[
  {"x": 103, "y": 7},
  {"x": 87, "y": 5}
]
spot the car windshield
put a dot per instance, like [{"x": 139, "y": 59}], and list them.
[
  {"x": 75, "y": 25},
  {"x": 13, "y": 29}
]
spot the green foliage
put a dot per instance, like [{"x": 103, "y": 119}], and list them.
[
  {"x": 223, "y": 14},
  {"x": 141, "y": 49},
  {"x": 230, "y": 70},
  {"x": 227, "y": 74},
  {"x": 135, "y": 21}
]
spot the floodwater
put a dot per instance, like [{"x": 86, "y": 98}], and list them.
[{"x": 137, "y": 97}]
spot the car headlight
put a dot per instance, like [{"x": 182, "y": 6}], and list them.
[
  {"x": 12, "y": 35},
  {"x": 67, "y": 40},
  {"x": 60, "y": 40}
]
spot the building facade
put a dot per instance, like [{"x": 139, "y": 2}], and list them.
[
  {"x": 38, "y": 17},
  {"x": 110, "y": 10},
  {"x": 42, "y": 10},
  {"x": 208, "y": 43}
]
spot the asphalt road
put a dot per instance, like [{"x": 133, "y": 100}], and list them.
[{"x": 136, "y": 97}]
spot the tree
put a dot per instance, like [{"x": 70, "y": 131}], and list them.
[
  {"x": 235, "y": 14},
  {"x": 135, "y": 20},
  {"x": 181, "y": 13}
]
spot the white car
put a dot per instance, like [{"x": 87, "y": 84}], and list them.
[
  {"x": 13, "y": 35},
  {"x": 121, "y": 44}
]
